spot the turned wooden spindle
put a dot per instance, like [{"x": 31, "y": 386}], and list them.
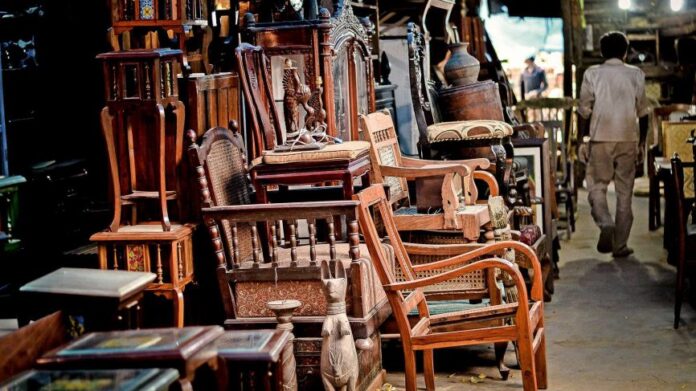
[
  {"x": 274, "y": 246},
  {"x": 255, "y": 246},
  {"x": 312, "y": 243},
  {"x": 160, "y": 271},
  {"x": 115, "y": 250},
  {"x": 293, "y": 243},
  {"x": 354, "y": 240},
  {"x": 332, "y": 240},
  {"x": 180, "y": 265},
  {"x": 235, "y": 244}
]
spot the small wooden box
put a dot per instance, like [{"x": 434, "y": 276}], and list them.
[{"x": 145, "y": 247}]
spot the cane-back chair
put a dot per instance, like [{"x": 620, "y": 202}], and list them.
[
  {"x": 446, "y": 189},
  {"x": 521, "y": 321},
  {"x": 657, "y": 150},
  {"x": 683, "y": 250},
  {"x": 255, "y": 266}
]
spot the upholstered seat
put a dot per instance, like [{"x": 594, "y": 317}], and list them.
[
  {"x": 349, "y": 150},
  {"x": 468, "y": 130}
]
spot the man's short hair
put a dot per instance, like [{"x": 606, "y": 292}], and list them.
[
  {"x": 530, "y": 58},
  {"x": 613, "y": 44}
]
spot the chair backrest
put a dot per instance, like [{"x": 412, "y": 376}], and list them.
[
  {"x": 220, "y": 165},
  {"x": 213, "y": 101},
  {"x": 421, "y": 88},
  {"x": 663, "y": 113},
  {"x": 374, "y": 206},
  {"x": 264, "y": 120},
  {"x": 681, "y": 185},
  {"x": 378, "y": 128}
]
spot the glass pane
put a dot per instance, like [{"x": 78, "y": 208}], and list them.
[{"x": 341, "y": 93}]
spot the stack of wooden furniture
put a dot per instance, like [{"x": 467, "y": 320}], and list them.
[
  {"x": 151, "y": 24},
  {"x": 144, "y": 118}
]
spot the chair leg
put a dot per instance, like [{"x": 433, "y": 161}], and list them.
[
  {"x": 651, "y": 205},
  {"x": 429, "y": 370},
  {"x": 526, "y": 357},
  {"x": 679, "y": 292},
  {"x": 540, "y": 363},
  {"x": 410, "y": 368},
  {"x": 500, "y": 349}
]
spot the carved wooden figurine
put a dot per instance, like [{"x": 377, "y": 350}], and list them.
[{"x": 339, "y": 360}]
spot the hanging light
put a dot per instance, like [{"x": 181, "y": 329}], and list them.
[
  {"x": 626, "y": 4},
  {"x": 676, "y": 5}
]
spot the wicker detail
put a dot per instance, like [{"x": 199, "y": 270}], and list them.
[
  {"x": 230, "y": 187},
  {"x": 387, "y": 157}
]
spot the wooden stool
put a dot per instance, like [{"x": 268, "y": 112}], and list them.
[{"x": 146, "y": 247}]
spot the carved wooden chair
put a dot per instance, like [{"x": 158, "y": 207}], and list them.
[
  {"x": 459, "y": 139},
  {"x": 656, "y": 150},
  {"x": 446, "y": 191},
  {"x": 523, "y": 320},
  {"x": 254, "y": 267},
  {"x": 556, "y": 114},
  {"x": 335, "y": 162},
  {"x": 683, "y": 250}
]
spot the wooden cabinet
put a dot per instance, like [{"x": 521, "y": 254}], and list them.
[{"x": 333, "y": 56}]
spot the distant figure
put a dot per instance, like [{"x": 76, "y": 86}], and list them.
[
  {"x": 532, "y": 80},
  {"x": 613, "y": 101}
]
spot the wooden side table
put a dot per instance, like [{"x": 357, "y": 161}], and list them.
[
  {"x": 152, "y": 379},
  {"x": 105, "y": 297},
  {"x": 145, "y": 247},
  {"x": 186, "y": 350},
  {"x": 309, "y": 173},
  {"x": 252, "y": 359}
]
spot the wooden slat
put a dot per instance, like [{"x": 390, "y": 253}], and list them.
[
  {"x": 465, "y": 338},
  {"x": 477, "y": 313}
]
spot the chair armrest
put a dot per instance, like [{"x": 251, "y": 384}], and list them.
[
  {"x": 425, "y": 171},
  {"x": 473, "y": 164},
  {"x": 489, "y": 263},
  {"x": 490, "y": 181},
  {"x": 488, "y": 249}
]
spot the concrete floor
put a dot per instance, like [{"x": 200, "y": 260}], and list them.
[{"x": 609, "y": 326}]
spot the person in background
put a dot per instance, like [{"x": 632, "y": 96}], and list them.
[
  {"x": 533, "y": 80},
  {"x": 613, "y": 101}
]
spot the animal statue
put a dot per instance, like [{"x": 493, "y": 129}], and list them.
[{"x": 339, "y": 359}]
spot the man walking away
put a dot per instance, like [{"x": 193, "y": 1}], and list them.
[{"x": 613, "y": 99}]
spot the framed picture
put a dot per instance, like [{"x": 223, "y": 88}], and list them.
[{"x": 535, "y": 152}]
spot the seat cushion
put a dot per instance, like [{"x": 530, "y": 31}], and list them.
[
  {"x": 348, "y": 150},
  {"x": 468, "y": 130}
]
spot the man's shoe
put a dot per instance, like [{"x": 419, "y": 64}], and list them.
[
  {"x": 606, "y": 239},
  {"x": 622, "y": 253}
]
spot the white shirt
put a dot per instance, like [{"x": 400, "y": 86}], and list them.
[{"x": 614, "y": 94}]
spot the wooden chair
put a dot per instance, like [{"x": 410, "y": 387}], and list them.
[
  {"x": 253, "y": 268},
  {"x": 556, "y": 114},
  {"x": 660, "y": 114},
  {"x": 682, "y": 254},
  {"x": 461, "y": 328},
  {"x": 334, "y": 163},
  {"x": 452, "y": 178}
]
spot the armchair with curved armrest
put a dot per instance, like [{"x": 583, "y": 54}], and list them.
[{"x": 521, "y": 321}]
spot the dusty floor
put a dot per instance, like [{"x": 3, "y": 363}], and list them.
[{"x": 609, "y": 326}]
